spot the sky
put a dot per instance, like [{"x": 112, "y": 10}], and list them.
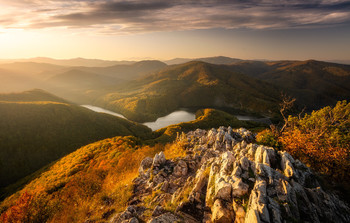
[{"x": 166, "y": 29}]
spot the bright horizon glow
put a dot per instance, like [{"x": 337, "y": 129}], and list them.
[{"x": 137, "y": 30}]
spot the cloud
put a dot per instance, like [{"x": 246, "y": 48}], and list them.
[{"x": 139, "y": 16}]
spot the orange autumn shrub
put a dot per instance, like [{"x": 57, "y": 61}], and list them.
[{"x": 321, "y": 139}]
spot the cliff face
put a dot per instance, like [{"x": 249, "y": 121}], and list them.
[{"x": 224, "y": 177}]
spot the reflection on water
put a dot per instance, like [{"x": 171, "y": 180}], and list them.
[
  {"x": 173, "y": 118},
  {"x": 245, "y": 118},
  {"x": 98, "y": 109}
]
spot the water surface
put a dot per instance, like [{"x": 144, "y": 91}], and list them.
[
  {"x": 171, "y": 119},
  {"x": 98, "y": 109}
]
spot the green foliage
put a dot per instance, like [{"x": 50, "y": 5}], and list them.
[{"x": 268, "y": 138}]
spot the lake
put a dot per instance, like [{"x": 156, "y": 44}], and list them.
[
  {"x": 173, "y": 118},
  {"x": 170, "y": 119}
]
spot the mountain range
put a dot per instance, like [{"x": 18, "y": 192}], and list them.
[
  {"x": 53, "y": 168},
  {"x": 145, "y": 90}
]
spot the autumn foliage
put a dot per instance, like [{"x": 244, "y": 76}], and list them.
[
  {"x": 320, "y": 139},
  {"x": 90, "y": 183}
]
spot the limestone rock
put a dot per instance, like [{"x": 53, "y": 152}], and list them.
[
  {"x": 244, "y": 162},
  {"x": 239, "y": 188},
  {"x": 159, "y": 159},
  {"x": 223, "y": 190},
  {"x": 222, "y": 169},
  {"x": 257, "y": 207},
  {"x": 221, "y": 212},
  {"x": 227, "y": 160},
  {"x": 145, "y": 164},
  {"x": 287, "y": 164},
  {"x": 165, "y": 218},
  {"x": 158, "y": 210},
  {"x": 181, "y": 169}
]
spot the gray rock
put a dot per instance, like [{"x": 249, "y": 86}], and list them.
[
  {"x": 158, "y": 210},
  {"x": 257, "y": 207},
  {"x": 159, "y": 159},
  {"x": 180, "y": 169},
  {"x": 146, "y": 163},
  {"x": 223, "y": 190},
  {"x": 221, "y": 212},
  {"x": 239, "y": 188},
  {"x": 287, "y": 164},
  {"x": 227, "y": 160},
  {"x": 133, "y": 220},
  {"x": 244, "y": 162},
  {"x": 165, "y": 218}
]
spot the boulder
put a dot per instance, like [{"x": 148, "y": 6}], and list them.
[
  {"x": 239, "y": 188},
  {"x": 158, "y": 210},
  {"x": 164, "y": 218},
  {"x": 257, "y": 206},
  {"x": 227, "y": 160},
  {"x": 287, "y": 164},
  {"x": 244, "y": 162},
  {"x": 259, "y": 154},
  {"x": 221, "y": 212},
  {"x": 146, "y": 163},
  {"x": 159, "y": 159},
  {"x": 237, "y": 171},
  {"x": 223, "y": 190},
  {"x": 266, "y": 159},
  {"x": 180, "y": 169}
]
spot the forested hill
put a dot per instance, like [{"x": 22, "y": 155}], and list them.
[{"x": 43, "y": 128}]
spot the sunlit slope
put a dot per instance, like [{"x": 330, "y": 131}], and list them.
[
  {"x": 99, "y": 174},
  {"x": 194, "y": 84},
  {"x": 34, "y": 133},
  {"x": 314, "y": 84},
  {"x": 31, "y": 96}
]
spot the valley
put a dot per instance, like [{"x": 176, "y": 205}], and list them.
[{"x": 91, "y": 126}]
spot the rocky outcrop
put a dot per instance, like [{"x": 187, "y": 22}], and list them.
[{"x": 225, "y": 177}]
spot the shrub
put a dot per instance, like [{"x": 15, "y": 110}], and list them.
[
  {"x": 268, "y": 138},
  {"x": 321, "y": 139}
]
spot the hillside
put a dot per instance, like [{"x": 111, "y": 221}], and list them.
[
  {"x": 212, "y": 60},
  {"x": 190, "y": 85},
  {"x": 127, "y": 71},
  {"x": 37, "y": 128},
  {"x": 75, "y": 79},
  {"x": 314, "y": 84},
  {"x": 217, "y": 175},
  {"x": 69, "y": 62},
  {"x": 31, "y": 96},
  {"x": 31, "y": 68}
]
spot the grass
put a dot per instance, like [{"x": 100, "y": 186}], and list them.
[{"x": 102, "y": 169}]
